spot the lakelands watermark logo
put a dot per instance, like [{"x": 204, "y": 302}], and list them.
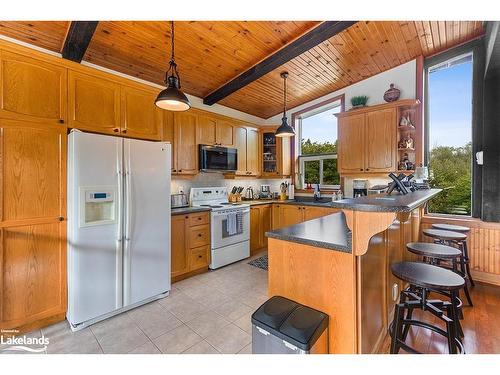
[{"x": 9, "y": 342}]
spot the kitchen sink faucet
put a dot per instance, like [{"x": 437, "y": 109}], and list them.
[{"x": 317, "y": 193}]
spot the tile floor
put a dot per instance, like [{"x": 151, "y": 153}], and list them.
[{"x": 205, "y": 314}]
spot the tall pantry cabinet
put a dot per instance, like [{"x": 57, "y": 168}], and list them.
[{"x": 32, "y": 191}]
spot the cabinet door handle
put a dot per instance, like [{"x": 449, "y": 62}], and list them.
[
  {"x": 61, "y": 121},
  {"x": 199, "y": 234},
  {"x": 361, "y": 169},
  {"x": 199, "y": 218},
  {"x": 124, "y": 131},
  {"x": 61, "y": 218},
  {"x": 367, "y": 169},
  {"x": 200, "y": 256},
  {"x": 116, "y": 130},
  {"x": 186, "y": 217}
]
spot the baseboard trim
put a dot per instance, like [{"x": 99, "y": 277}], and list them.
[{"x": 485, "y": 277}]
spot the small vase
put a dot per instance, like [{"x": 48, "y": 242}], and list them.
[{"x": 392, "y": 94}]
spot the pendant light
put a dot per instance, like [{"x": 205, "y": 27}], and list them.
[
  {"x": 284, "y": 130},
  {"x": 172, "y": 98}
]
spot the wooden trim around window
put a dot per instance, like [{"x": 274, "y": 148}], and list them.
[{"x": 296, "y": 116}]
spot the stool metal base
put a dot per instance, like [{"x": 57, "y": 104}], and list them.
[{"x": 411, "y": 299}]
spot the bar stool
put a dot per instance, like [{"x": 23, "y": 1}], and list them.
[
  {"x": 450, "y": 238},
  {"x": 423, "y": 277},
  {"x": 433, "y": 254},
  {"x": 464, "y": 230}
]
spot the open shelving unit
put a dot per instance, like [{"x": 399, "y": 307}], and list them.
[{"x": 405, "y": 132}]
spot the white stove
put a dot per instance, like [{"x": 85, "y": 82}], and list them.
[{"x": 229, "y": 225}]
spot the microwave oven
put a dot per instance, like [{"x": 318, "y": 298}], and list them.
[{"x": 217, "y": 158}]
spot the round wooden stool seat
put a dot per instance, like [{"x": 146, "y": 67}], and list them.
[
  {"x": 427, "y": 276},
  {"x": 446, "y": 235},
  {"x": 433, "y": 250},
  {"x": 455, "y": 228}
]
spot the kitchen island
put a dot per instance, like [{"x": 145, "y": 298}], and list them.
[{"x": 340, "y": 264}]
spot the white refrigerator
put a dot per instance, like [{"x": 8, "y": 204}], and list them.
[{"x": 118, "y": 225}]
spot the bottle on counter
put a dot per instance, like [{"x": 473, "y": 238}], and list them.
[
  {"x": 334, "y": 196},
  {"x": 339, "y": 195}
]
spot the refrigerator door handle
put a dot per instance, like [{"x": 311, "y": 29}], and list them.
[
  {"x": 128, "y": 223},
  {"x": 119, "y": 235}
]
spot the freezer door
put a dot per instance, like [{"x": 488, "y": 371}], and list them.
[
  {"x": 146, "y": 262},
  {"x": 94, "y": 226}
]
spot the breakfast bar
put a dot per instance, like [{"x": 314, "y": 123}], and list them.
[{"x": 340, "y": 264}]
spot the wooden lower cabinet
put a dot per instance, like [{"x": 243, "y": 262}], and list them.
[
  {"x": 190, "y": 247},
  {"x": 290, "y": 214},
  {"x": 260, "y": 223},
  {"x": 33, "y": 273}
]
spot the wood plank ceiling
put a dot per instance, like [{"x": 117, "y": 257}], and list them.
[{"x": 210, "y": 54}]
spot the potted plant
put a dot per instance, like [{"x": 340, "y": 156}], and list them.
[{"x": 359, "y": 101}]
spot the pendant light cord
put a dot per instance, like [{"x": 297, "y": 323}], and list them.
[
  {"x": 284, "y": 96},
  {"x": 172, "y": 56},
  {"x": 172, "y": 65}
]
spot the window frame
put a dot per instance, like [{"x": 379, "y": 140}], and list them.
[
  {"x": 320, "y": 158},
  {"x": 476, "y": 47},
  {"x": 335, "y": 102}
]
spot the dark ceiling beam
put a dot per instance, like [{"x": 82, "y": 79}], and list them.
[
  {"x": 310, "y": 39},
  {"x": 78, "y": 39}
]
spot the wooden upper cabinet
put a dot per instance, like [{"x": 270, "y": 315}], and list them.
[
  {"x": 224, "y": 133},
  {"x": 33, "y": 170},
  {"x": 32, "y": 89},
  {"x": 141, "y": 118},
  {"x": 214, "y": 131},
  {"x": 168, "y": 127},
  {"x": 351, "y": 132},
  {"x": 252, "y": 153},
  {"x": 240, "y": 143},
  {"x": 186, "y": 150},
  {"x": 206, "y": 130},
  {"x": 94, "y": 103},
  {"x": 380, "y": 141}
]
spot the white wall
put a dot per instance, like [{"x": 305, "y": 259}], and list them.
[{"x": 403, "y": 77}]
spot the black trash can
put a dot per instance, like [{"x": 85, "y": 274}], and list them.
[{"x": 283, "y": 326}]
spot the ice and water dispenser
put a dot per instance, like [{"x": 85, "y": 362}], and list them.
[{"x": 99, "y": 206}]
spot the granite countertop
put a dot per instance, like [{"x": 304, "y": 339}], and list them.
[
  {"x": 328, "y": 232},
  {"x": 387, "y": 203},
  {"x": 188, "y": 210}
]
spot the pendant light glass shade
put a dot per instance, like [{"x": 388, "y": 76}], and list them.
[
  {"x": 172, "y": 98},
  {"x": 285, "y": 130}
]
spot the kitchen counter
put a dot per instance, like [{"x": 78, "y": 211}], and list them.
[
  {"x": 387, "y": 203},
  {"x": 188, "y": 210},
  {"x": 353, "y": 284},
  {"x": 328, "y": 232}
]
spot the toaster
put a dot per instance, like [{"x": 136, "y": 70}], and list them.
[{"x": 179, "y": 200}]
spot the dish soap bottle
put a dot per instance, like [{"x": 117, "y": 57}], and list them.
[{"x": 339, "y": 195}]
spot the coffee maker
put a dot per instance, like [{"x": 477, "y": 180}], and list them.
[
  {"x": 265, "y": 192},
  {"x": 359, "y": 188}
]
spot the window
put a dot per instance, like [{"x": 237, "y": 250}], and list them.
[
  {"x": 449, "y": 134},
  {"x": 318, "y": 146}
]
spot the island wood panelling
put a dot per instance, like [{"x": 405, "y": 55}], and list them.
[
  {"x": 210, "y": 54},
  {"x": 483, "y": 244}
]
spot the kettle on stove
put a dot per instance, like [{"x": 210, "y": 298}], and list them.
[{"x": 249, "y": 193}]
